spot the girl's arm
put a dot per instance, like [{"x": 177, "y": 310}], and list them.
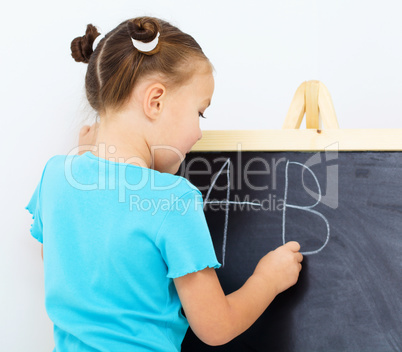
[{"x": 215, "y": 318}]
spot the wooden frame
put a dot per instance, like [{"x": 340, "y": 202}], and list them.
[
  {"x": 313, "y": 99},
  {"x": 301, "y": 140}
]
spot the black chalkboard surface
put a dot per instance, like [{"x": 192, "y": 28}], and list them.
[{"x": 344, "y": 208}]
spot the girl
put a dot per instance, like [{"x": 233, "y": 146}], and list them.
[{"x": 120, "y": 266}]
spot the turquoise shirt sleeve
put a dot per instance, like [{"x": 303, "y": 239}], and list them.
[
  {"x": 34, "y": 208},
  {"x": 184, "y": 239}
]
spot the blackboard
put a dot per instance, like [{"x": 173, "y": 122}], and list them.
[{"x": 344, "y": 208}]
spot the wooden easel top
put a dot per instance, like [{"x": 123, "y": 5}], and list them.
[{"x": 313, "y": 100}]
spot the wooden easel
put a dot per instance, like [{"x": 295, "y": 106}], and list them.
[{"x": 313, "y": 99}]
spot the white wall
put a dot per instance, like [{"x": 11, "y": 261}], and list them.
[{"x": 262, "y": 51}]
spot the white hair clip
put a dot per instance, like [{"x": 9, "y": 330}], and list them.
[
  {"x": 96, "y": 41},
  {"x": 146, "y": 47}
]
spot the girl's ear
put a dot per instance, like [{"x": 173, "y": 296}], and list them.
[{"x": 154, "y": 99}]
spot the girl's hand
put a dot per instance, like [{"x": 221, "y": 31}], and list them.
[
  {"x": 215, "y": 318},
  {"x": 87, "y": 137},
  {"x": 281, "y": 267}
]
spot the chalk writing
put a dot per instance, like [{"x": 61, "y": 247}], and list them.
[
  {"x": 305, "y": 208},
  {"x": 226, "y": 202}
]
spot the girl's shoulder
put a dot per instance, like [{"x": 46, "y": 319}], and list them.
[
  {"x": 176, "y": 184},
  {"x": 75, "y": 165}
]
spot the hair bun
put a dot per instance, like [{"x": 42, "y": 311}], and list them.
[
  {"x": 81, "y": 47},
  {"x": 144, "y": 29}
]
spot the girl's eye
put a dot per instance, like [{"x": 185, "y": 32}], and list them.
[{"x": 201, "y": 115}]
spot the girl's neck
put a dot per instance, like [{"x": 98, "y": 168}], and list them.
[{"x": 118, "y": 144}]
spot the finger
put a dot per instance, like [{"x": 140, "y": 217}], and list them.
[
  {"x": 293, "y": 246},
  {"x": 299, "y": 257},
  {"x": 84, "y": 129},
  {"x": 300, "y": 267}
]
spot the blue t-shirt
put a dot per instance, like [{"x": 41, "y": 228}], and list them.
[{"x": 114, "y": 236}]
